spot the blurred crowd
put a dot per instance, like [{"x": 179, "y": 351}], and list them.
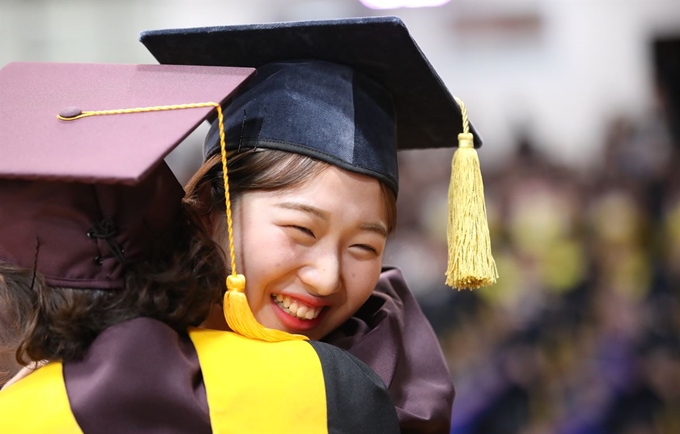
[{"x": 581, "y": 335}]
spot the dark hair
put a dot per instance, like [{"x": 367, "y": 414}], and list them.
[
  {"x": 261, "y": 169},
  {"x": 15, "y": 309},
  {"x": 179, "y": 284}
]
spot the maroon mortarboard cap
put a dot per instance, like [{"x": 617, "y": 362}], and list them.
[{"x": 82, "y": 199}]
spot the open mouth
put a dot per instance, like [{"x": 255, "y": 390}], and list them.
[{"x": 296, "y": 308}]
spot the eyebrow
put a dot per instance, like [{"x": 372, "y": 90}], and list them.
[
  {"x": 371, "y": 227},
  {"x": 304, "y": 208},
  {"x": 374, "y": 227}
]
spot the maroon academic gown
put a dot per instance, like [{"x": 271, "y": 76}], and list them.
[
  {"x": 410, "y": 359},
  {"x": 142, "y": 377}
]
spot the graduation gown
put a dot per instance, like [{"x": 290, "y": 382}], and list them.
[
  {"x": 141, "y": 376},
  {"x": 391, "y": 334}
]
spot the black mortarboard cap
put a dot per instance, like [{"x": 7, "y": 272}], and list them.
[{"x": 348, "y": 91}]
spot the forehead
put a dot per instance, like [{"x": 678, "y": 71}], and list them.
[{"x": 332, "y": 190}]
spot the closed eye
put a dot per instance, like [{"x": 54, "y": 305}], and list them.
[
  {"x": 304, "y": 230},
  {"x": 366, "y": 248}
]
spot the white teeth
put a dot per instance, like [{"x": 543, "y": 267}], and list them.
[{"x": 296, "y": 308}]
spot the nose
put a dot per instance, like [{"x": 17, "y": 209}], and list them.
[{"x": 322, "y": 274}]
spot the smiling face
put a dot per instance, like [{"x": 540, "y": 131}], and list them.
[{"x": 311, "y": 253}]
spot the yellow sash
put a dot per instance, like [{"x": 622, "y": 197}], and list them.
[
  {"x": 38, "y": 404},
  {"x": 251, "y": 386},
  {"x": 261, "y": 387}
]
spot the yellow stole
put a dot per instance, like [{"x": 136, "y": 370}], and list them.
[
  {"x": 251, "y": 386},
  {"x": 261, "y": 387},
  {"x": 38, "y": 404}
]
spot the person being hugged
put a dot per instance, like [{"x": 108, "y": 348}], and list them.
[{"x": 312, "y": 145}]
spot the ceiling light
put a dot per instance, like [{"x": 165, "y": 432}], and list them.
[{"x": 395, "y": 4}]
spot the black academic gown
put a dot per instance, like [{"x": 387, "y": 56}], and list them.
[
  {"x": 142, "y": 377},
  {"x": 391, "y": 334}
]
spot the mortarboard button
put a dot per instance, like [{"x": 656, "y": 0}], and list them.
[{"x": 70, "y": 112}]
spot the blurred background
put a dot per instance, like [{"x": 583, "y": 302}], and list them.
[{"x": 578, "y": 102}]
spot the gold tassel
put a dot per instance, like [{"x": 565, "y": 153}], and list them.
[
  {"x": 471, "y": 264},
  {"x": 240, "y": 318},
  {"x": 236, "y": 309}
]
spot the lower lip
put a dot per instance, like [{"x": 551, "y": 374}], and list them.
[{"x": 294, "y": 323}]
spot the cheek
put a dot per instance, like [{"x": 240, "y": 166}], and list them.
[
  {"x": 360, "y": 283},
  {"x": 265, "y": 250},
  {"x": 269, "y": 261}
]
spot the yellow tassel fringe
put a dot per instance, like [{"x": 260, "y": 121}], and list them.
[
  {"x": 240, "y": 318},
  {"x": 471, "y": 264}
]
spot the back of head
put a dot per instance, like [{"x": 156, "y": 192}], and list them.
[{"x": 96, "y": 232}]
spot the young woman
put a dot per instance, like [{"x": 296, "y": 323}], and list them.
[
  {"x": 315, "y": 269},
  {"x": 311, "y": 144},
  {"x": 104, "y": 280}
]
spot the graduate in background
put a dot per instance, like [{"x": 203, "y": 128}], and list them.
[{"x": 104, "y": 272}]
